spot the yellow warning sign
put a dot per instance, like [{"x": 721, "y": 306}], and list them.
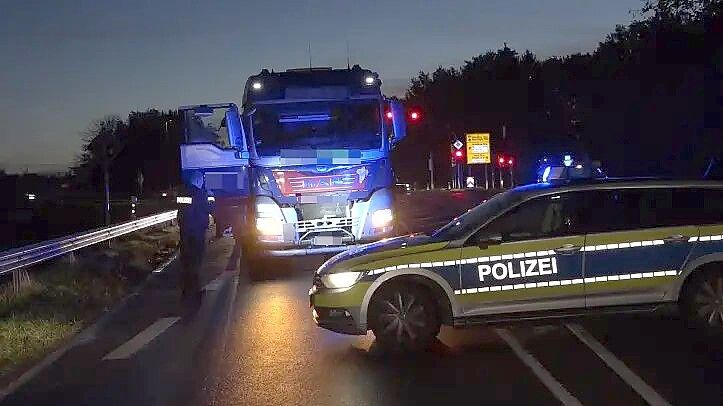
[{"x": 478, "y": 148}]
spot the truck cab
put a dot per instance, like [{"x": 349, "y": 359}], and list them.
[{"x": 320, "y": 175}]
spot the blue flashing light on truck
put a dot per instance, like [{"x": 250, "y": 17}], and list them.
[{"x": 304, "y": 167}]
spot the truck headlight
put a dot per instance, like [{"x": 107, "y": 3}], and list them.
[
  {"x": 269, "y": 226},
  {"x": 341, "y": 279},
  {"x": 381, "y": 218}
]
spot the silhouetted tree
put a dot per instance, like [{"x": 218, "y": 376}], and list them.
[
  {"x": 148, "y": 143},
  {"x": 644, "y": 102}
]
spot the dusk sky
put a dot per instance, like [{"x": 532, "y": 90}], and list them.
[{"x": 66, "y": 63}]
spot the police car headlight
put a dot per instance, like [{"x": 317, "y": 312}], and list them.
[
  {"x": 381, "y": 218},
  {"x": 341, "y": 279},
  {"x": 269, "y": 226}
]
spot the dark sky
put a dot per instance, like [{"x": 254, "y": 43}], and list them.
[{"x": 66, "y": 63}]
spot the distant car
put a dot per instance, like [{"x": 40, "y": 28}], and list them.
[
  {"x": 403, "y": 188},
  {"x": 536, "y": 251}
]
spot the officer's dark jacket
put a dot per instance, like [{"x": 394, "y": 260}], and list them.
[{"x": 193, "y": 216}]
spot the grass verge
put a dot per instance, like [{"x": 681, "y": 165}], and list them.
[{"x": 63, "y": 298}]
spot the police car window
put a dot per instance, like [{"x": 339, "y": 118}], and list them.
[
  {"x": 697, "y": 206},
  {"x": 465, "y": 224},
  {"x": 542, "y": 217},
  {"x": 630, "y": 209},
  {"x": 712, "y": 207},
  {"x": 612, "y": 210}
]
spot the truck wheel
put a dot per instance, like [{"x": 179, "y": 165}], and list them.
[
  {"x": 403, "y": 317},
  {"x": 253, "y": 260},
  {"x": 702, "y": 301}
]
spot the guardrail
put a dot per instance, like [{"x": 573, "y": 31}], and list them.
[{"x": 22, "y": 257}]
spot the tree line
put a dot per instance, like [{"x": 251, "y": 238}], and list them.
[
  {"x": 644, "y": 102},
  {"x": 141, "y": 153}
]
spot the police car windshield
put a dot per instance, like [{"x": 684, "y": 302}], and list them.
[{"x": 466, "y": 223}]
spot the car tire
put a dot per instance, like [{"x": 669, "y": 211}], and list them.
[
  {"x": 702, "y": 301},
  {"x": 404, "y": 317}
]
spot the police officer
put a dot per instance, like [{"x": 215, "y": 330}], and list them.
[{"x": 193, "y": 214}]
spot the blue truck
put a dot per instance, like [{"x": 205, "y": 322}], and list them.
[{"x": 304, "y": 167}]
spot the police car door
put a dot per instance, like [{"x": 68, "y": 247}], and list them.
[
  {"x": 527, "y": 259},
  {"x": 637, "y": 242}
]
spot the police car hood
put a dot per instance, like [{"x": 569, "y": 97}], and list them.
[{"x": 355, "y": 257}]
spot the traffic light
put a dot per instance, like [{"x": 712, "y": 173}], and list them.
[
  {"x": 414, "y": 115},
  {"x": 505, "y": 161},
  {"x": 457, "y": 156}
]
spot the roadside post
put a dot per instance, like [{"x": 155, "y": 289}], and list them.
[
  {"x": 457, "y": 158},
  {"x": 430, "y": 164}
]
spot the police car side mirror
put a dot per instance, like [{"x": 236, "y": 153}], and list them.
[{"x": 485, "y": 241}]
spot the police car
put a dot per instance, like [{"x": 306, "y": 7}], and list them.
[{"x": 536, "y": 251}]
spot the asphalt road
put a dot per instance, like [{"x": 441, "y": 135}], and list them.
[{"x": 254, "y": 343}]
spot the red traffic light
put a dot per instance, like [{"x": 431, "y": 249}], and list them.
[
  {"x": 389, "y": 115},
  {"x": 415, "y": 115},
  {"x": 501, "y": 160},
  {"x": 509, "y": 162}
]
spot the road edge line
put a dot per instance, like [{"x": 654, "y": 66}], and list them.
[
  {"x": 557, "y": 389},
  {"x": 84, "y": 336},
  {"x": 626, "y": 374}
]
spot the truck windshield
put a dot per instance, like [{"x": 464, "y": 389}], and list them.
[{"x": 348, "y": 124}]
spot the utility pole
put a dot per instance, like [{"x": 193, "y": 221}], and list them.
[
  {"x": 430, "y": 163},
  {"x": 487, "y": 181},
  {"x": 108, "y": 156},
  {"x": 106, "y": 181}
]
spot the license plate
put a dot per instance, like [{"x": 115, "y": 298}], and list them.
[{"x": 326, "y": 240}]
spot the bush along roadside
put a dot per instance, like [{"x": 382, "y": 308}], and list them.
[{"x": 65, "y": 296}]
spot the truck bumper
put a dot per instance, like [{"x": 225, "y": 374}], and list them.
[
  {"x": 289, "y": 250},
  {"x": 293, "y": 252}
]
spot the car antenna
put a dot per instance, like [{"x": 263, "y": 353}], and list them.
[
  {"x": 348, "y": 57},
  {"x": 309, "y": 55}
]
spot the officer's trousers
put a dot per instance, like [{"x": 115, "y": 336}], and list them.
[{"x": 192, "y": 252}]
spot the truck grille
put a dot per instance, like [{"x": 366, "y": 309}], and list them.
[{"x": 327, "y": 223}]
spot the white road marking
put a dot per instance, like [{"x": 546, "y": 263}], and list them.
[
  {"x": 165, "y": 264},
  {"x": 140, "y": 340},
  {"x": 627, "y": 375},
  {"x": 543, "y": 374}
]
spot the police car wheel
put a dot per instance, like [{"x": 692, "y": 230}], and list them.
[
  {"x": 404, "y": 317},
  {"x": 703, "y": 301}
]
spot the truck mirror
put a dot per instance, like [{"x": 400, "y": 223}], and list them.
[
  {"x": 399, "y": 122},
  {"x": 236, "y": 134}
]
